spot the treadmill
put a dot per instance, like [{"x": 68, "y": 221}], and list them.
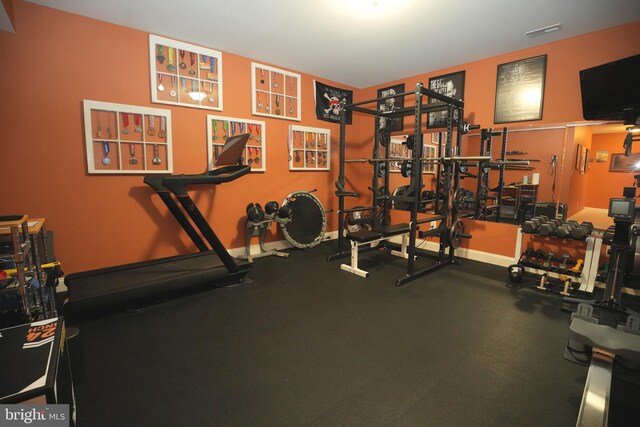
[{"x": 129, "y": 284}]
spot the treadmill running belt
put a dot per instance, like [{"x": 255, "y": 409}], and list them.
[{"x": 118, "y": 286}]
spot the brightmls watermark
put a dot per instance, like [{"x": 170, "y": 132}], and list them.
[{"x": 34, "y": 415}]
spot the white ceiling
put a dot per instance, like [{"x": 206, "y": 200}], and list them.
[{"x": 355, "y": 42}]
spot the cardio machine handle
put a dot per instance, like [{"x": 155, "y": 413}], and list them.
[{"x": 178, "y": 183}]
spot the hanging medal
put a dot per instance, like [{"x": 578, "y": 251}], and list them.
[
  {"x": 183, "y": 84},
  {"x": 259, "y": 107},
  {"x": 203, "y": 62},
  {"x": 152, "y": 124},
  {"x": 194, "y": 89},
  {"x": 132, "y": 154},
  {"x": 250, "y": 128},
  {"x": 137, "y": 119},
  {"x": 156, "y": 155},
  {"x": 99, "y": 130},
  {"x": 173, "y": 92},
  {"x": 278, "y": 104},
  {"x": 183, "y": 64},
  {"x": 160, "y": 57},
  {"x": 170, "y": 67},
  {"x": 215, "y": 129},
  {"x": 241, "y": 125},
  {"x": 163, "y": 127},
  {"x": 225, "y": 127},
  {"x": 109, "y": 134},
  {"x": 125, "y": 123},
  {"x": 275, "y": 82},
  {"x": 261, "y": 76},
  {"x": 160, "y": 86},
  {"x": 192, "y": 61},
  {"x": 106, "y": 150},
  {"x": 257, "y": 159},
  {"x": 212, "y": 99},
  {"x": 258, "y": 137},
  {"x": 233, "y": 128},
  {"x": 250, "y": 160},
  {"x": 212, "y": 74},
  {"x": 290, "y": 105}
]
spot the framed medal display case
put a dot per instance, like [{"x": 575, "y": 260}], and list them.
[
  {"x": 219, "y": 129},
  {"x": 399, "y": 150},
  {"x": 309, "y": 148},
  {"x": 275, "y": 92},
  {"x": 184, "y": 74},
  {"x": 126, "y": 139}
]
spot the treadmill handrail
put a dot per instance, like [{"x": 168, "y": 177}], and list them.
[{"x": 178, "y": 183}]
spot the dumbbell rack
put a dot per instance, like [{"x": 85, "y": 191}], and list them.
[
  {"x": 259, "y": 228},
  {"x": 589, "y": 272}
]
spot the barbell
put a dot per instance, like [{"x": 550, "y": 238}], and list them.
[{"x": 427, "y": 159}]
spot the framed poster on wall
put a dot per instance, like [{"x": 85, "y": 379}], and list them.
[
  {"x": 451, "y": 85},
  {"x": 520, "y": 90},
  {"x": 391, "y": 104},
  {"x": 622, "y": 163}
]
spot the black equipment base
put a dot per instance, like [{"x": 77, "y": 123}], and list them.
[{"x": 123, "y": 285}]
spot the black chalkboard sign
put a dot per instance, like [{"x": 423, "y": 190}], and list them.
[
  {"x": 520, "y": 90},
  {"x": 451, "y": 85}
]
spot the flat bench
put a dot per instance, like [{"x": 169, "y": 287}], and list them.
[{"x": 373, "y": 237}]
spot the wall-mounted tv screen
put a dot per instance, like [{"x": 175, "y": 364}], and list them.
[{"x": 612, "y": 91}]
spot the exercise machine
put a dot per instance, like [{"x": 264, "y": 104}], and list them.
[
  {"x": 450, "y": 230},
  {"x": 213, "y": 266},
  {"x": 604, "y": 333}
]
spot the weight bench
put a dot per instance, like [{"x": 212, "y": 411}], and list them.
[{"x": 373, "y": 238}]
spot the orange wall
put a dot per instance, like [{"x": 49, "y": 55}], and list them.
[
  {"x": 58, "y": 59},
  {"x": 602, "y": 184}
]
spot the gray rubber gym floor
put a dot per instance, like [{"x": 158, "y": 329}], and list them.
[{"x": 309, "y": 344}]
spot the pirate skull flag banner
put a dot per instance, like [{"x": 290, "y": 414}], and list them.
[{"x": 328, "y": 99}]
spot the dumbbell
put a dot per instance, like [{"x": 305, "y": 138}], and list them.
[
  {"x": 547, "y": 263},
  {"x": 565, "y": 229},
  {"x": 582, "y": 231},
  {"x": 549, "y": 227},
  {"x": 527, "y": 255},
  {"x": 255, "y": 213},
  {"x": 271, "y": 208},
  {"x": 566, "y": 260},
  {"x": 284, "y": 212},
  {"x": 578, "y": 267},
  {"x": 540, "y": 255},
  {"x": 534, "y": 223}
]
